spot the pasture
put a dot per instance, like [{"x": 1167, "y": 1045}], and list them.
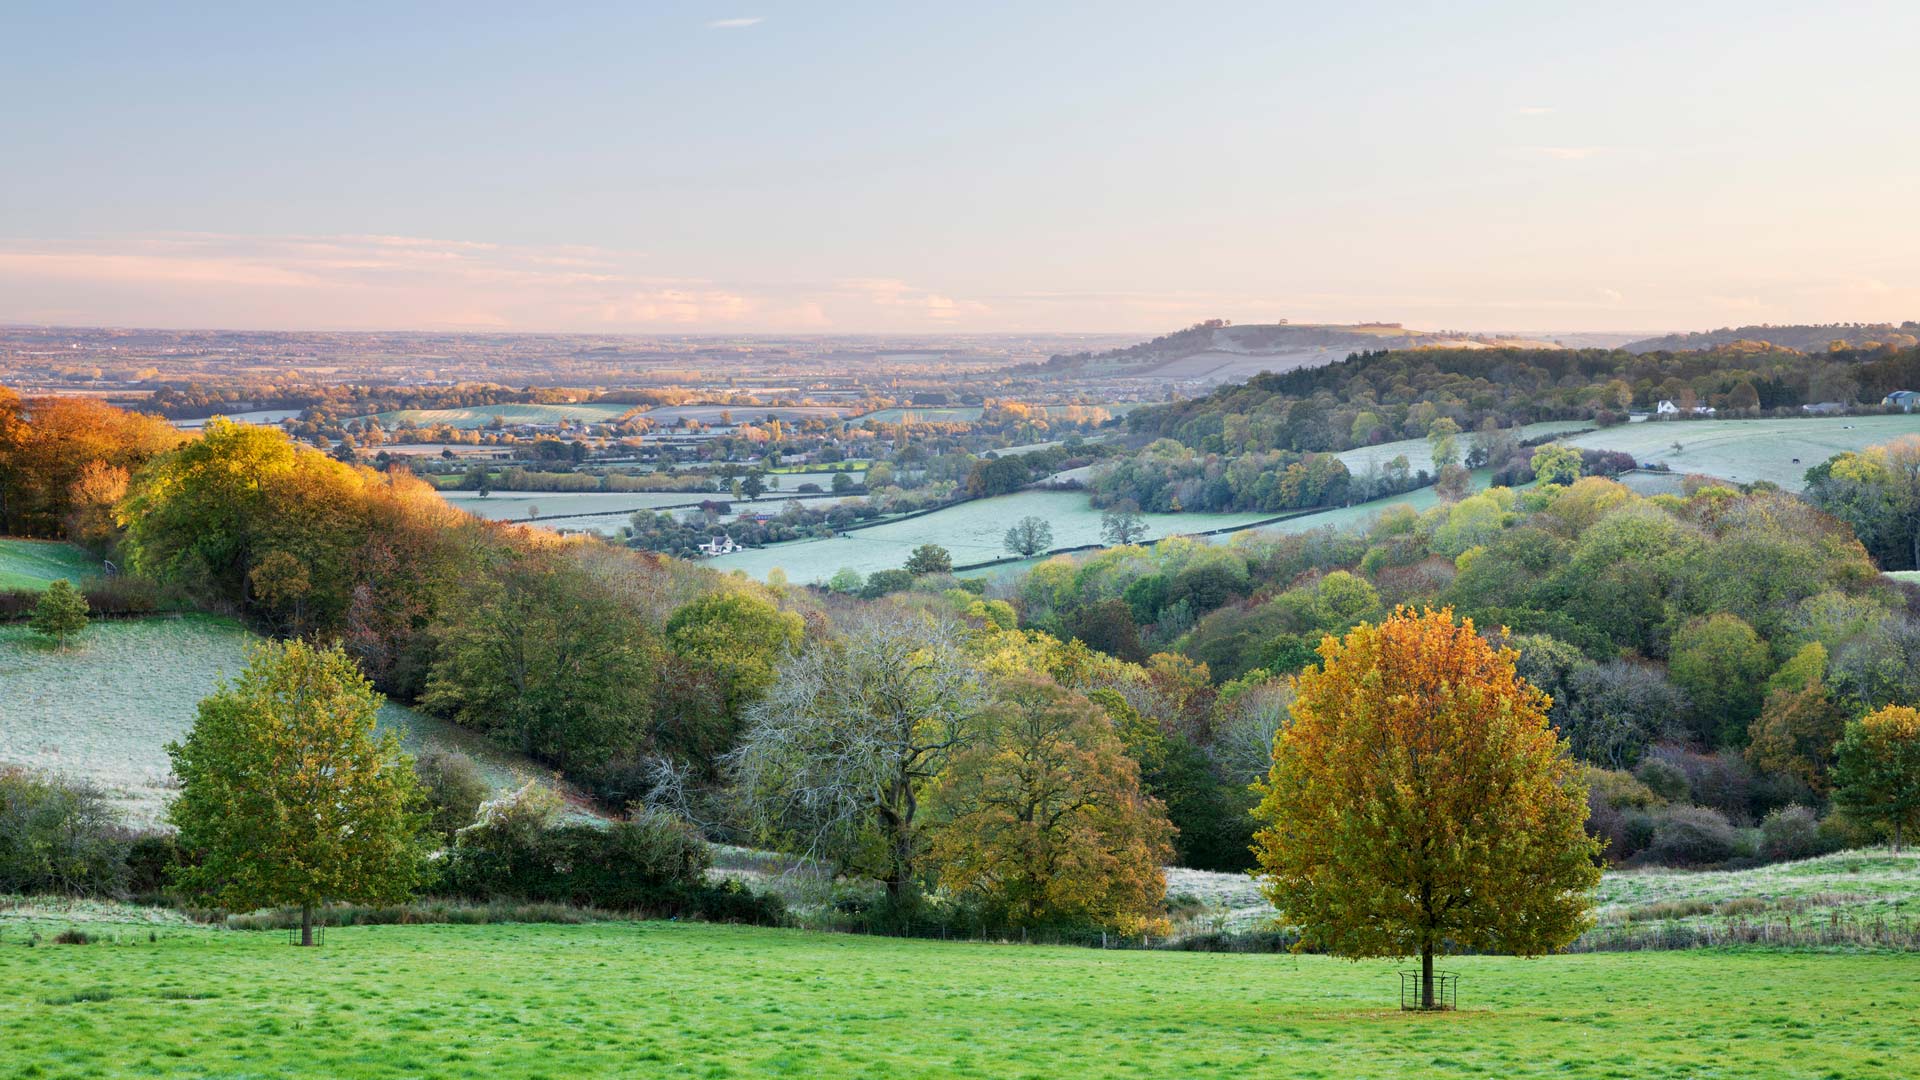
[
  {"x": 479, "y": 416},
  {"x": 685, "y": 999},
  {"x": 1419, "y": 452},
  {"x": 971, "y": 531},
  {"x": 32, "y": 564},
  {"x": 668, "y": 415},
  {"x": 1744, "y": 451},
  {"x": 104, "y": 710}
]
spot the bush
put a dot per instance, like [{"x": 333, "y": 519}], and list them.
[
  {"x": 57, "y": 837},
  {"x": 1691, "y": 836},
  {"x": 150, "y": 860},
  {"x": 1663, "y": 778},
  {"x": 454, "y": 789},
  {"x": 654, "y": 864},
  {"x": 1793, "y": 832}
]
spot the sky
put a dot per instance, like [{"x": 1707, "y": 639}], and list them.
[{"x": 780, "y": 167}]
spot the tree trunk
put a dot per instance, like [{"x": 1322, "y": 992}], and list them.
[
  {"x": 306, "y": 925},
  {"x": 1426, "y": 975},
  {"x": 1896, "y": 836}
]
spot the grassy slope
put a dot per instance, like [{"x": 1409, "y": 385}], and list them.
[
  {"x": 31, "y": 564},
  {"x": 105, "y": 710},
  {"x": 1749, "y": 450},
  {"x": 1854, "y": 884},
  {"x": 659, "y": 999}
]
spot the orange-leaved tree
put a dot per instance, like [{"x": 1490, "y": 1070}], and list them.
[
  {"x": 1043, "y": 819},
  {"x": 1420, "y": 802}
]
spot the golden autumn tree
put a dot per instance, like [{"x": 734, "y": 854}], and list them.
[
  {"x": 1420, "y": 801},
  {"x": 287, "y": 794},
  {"x": 1042, "y": 816},
  {"x": 1876, "y": 778}
]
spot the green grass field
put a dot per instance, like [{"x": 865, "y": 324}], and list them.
[
  {"x": 1747, "y": 450},
  {"x": 1419, "y": 452},
  {"x": 104, "y": 710},
  {"x": 31, "y": 564},
  {"x": 692, "y": 1000}
]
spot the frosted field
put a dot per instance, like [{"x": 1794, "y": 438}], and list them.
[
  {"x": 742, "y": 414},
  {"x": 258, "y": 416},
  {"x": 104, "y": 710},
  {"x": 1748, "y": 450},
  {"x": 515, "y": 505},
  {"x": 480, "y": 416},
  {"x": 1420, "y": 452},
  {"x": 972, "y": 531},
  {"x": 31, "y": 564}
]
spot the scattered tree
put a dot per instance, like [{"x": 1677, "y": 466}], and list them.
[
  {"x": 289, "y": 796},
  {"x": 1419, "y": 801},
  {"x": 1122, "y": 524},
  {"x": 60, "y": 614},
  {"x": 929, "y": 559},
  {"x": 1029, "y": 536},
  {"x": 1876, "y": 774}
]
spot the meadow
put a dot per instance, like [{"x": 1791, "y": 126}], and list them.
[
  {"x": 104, "y": 710},
  {"x": 31, "y": 564},
  {"x": 1419, "y": 452},
  {"x": 1744, "y": 451},
  {"x": 686, "y": 999}
]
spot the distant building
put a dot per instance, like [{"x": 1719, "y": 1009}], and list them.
[
  {"x": 1905, "y": 400},
  {"x": 1825, "y": 408},
  {"x": 1668, "y": 408},
  {"x": 719, "y": 545}
]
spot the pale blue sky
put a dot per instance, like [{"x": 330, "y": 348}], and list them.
[{"x": 897, "y": 167}]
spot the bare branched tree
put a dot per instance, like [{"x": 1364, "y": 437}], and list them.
[{"x": 836, "y": 754}]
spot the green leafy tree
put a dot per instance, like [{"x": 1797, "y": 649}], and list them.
[
  {"x": 288, "y": 795},
  {"x": 738, "y": 636},
  {"x": 60, "y": 614},
  {"x": 537, "y": 655},
  {"x": 1876, "y": 774},
  {"x": 1555, "y": 464},
  {"x": 1723, "y": 666},
  {"x": 929, "y": 559}
]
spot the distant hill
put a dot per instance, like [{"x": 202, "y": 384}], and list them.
[
  {"x": 1217, "y": 352},
  {"x": 1803, "y": 338}
]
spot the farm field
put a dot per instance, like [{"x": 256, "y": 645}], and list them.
[
  {"x": 1905, "y": 575},
  {"x": 1419, "y": 452},
  {"x": 480, "y": 416},
  {"x": 688, "y": 999},
  {"x": 258, "y": 416},
  {"x": 971, "y": 531},
  {"x": 104, "y": 710},
  {"x": 515, "y": 505},
  {"x": 31, "y": 564},
  {"x": 742, "y": 414},
  {"x": 1748, "y": 450}
]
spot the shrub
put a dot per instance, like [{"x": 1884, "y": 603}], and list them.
[
  {"x": 58, "y": 837},
  {"x": 1663, "y": 778},
  {"x": 73, "y": 936},
  {"x": 653, "y": 863},
  {"x": 454, "y": 789},
  {"x": 150, "y": 859},
  {"x": 1793, "y": 832},
  {"x": 1691, "y": 836}
]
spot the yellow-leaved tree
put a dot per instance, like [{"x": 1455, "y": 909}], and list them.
[
  {"x": 287, "y": 794},
  {"x": 1420, "y": 802}
]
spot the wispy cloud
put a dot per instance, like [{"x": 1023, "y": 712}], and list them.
[
  {"x": 383, "y": 282},
  {"x": 1535, "y": 110},
  {"x": 735, "y": 24}
]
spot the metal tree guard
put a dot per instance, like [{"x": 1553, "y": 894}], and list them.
[{"x": 1446, "y": 991}]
